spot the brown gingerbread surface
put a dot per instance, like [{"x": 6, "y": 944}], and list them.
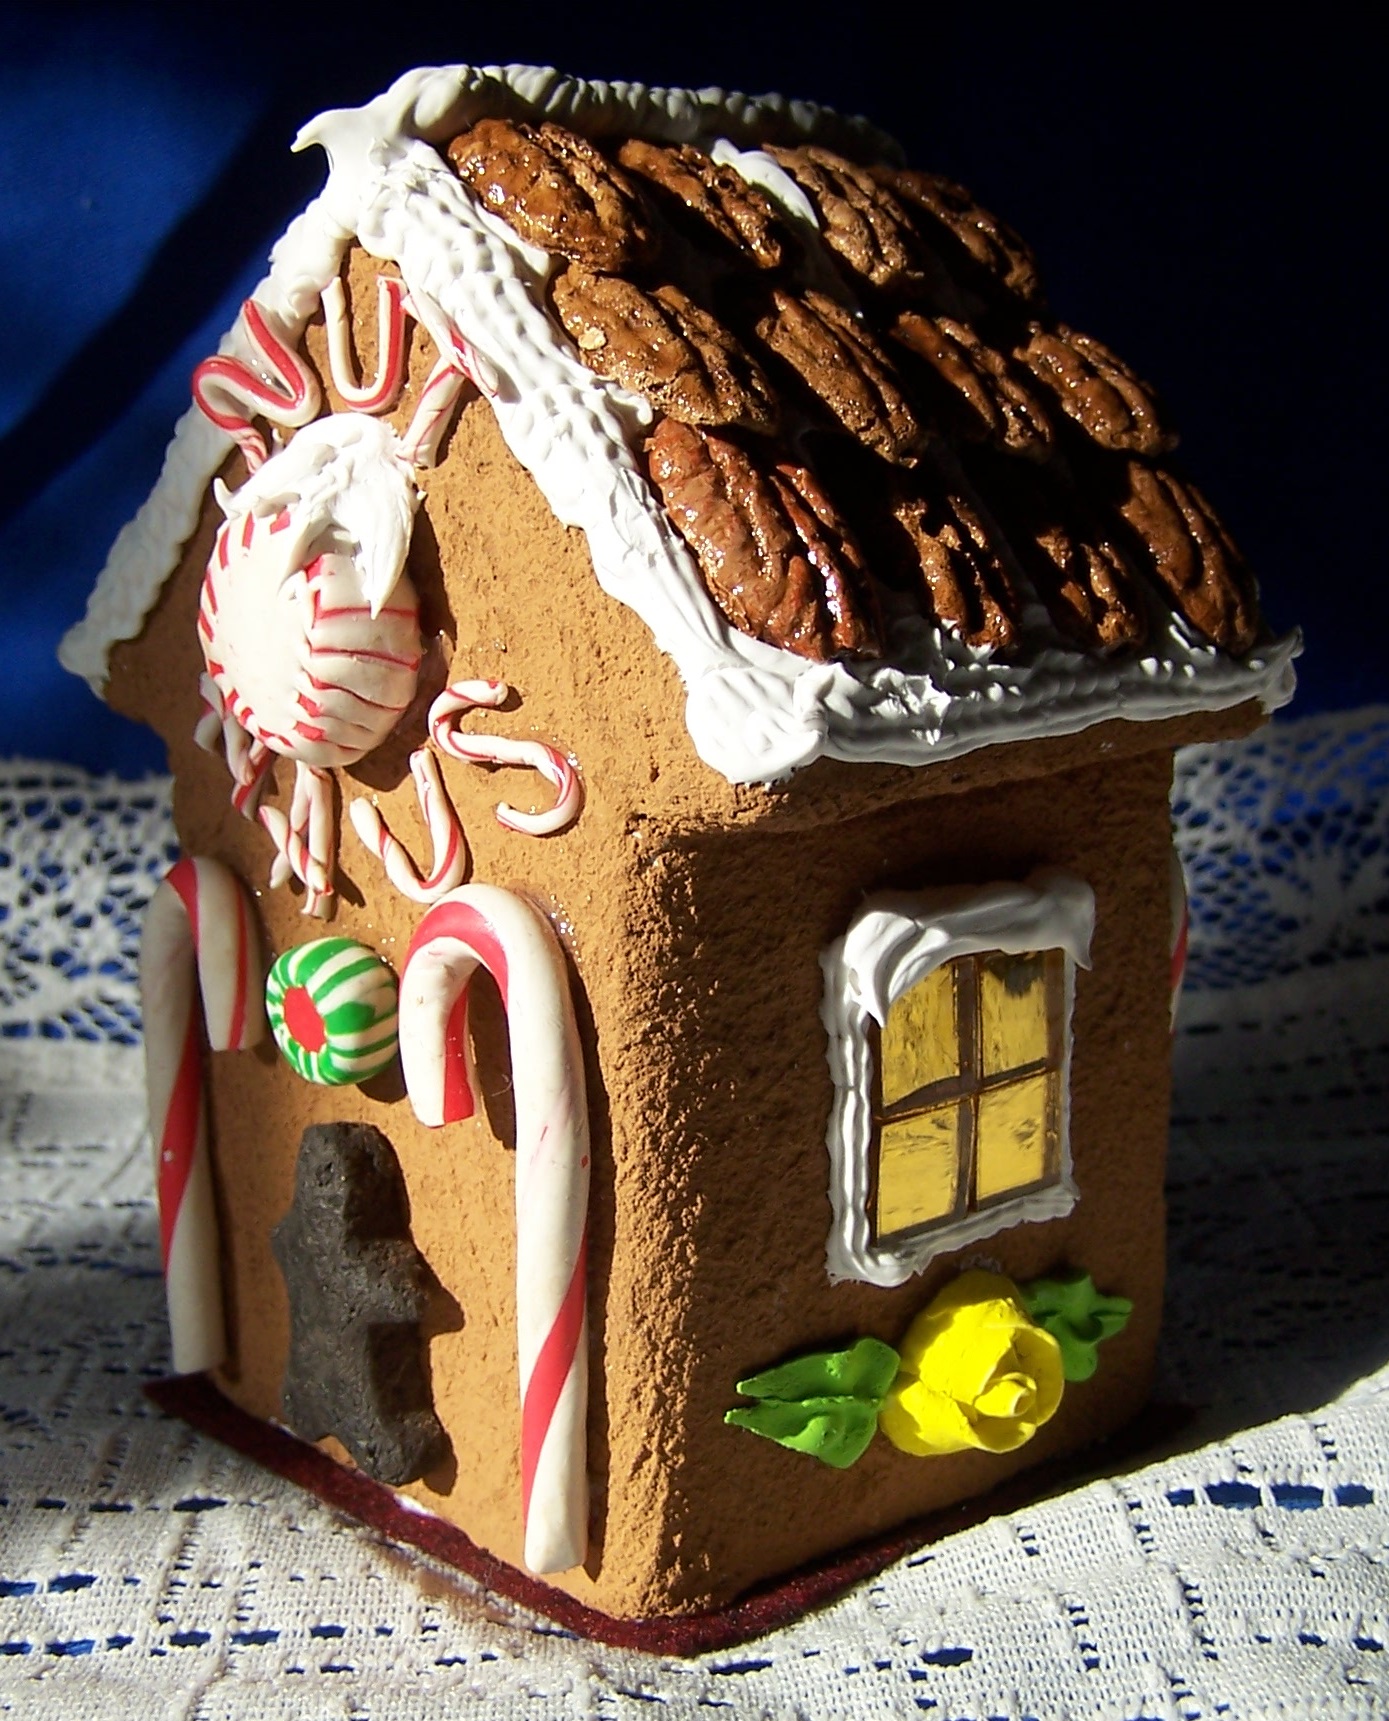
[{"x": 692, "y": 912}]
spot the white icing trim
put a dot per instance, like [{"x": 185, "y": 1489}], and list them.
[
  {"x": 894, "y": 941},
  {"x": 755, "y": 713}
]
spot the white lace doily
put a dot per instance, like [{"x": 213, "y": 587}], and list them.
[{"x": 145, "y": 1572}]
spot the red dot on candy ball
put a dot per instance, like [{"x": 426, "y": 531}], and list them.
[{"x": 303, "y": 1020}]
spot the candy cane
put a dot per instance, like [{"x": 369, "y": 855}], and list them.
[
  {"x": 221, "y": 385},
  {"x": 445, "y": 833},
  {"x": 251, "y": 779},
  {"x": 198, "y": 928},
  {"x": 434, "y": 410},
  {"x": 482, "y": 924},
  {"x": 248, "y": 760},
  {"x": 304, "y": 845},
  {"x": 463, "y": 696},
  {"x": 377, "y": 396},
  {"x": 207, "y": 732}
]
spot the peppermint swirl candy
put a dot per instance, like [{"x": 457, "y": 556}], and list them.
[{"x": 332, "y": 1009}]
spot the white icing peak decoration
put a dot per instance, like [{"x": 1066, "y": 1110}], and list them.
[
  {"x": 346, "y": 486},
  {"x": 755, "y": 713}
]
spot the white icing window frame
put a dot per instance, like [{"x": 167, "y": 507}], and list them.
[{"x": 893, "y": 941}]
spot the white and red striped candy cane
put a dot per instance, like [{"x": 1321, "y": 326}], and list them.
[
  {"x": 248, "y": 759},
  {"x": 391, "y": 308},
  {"x": 472, "y": 749},
  {"x": 445, "y": 834},
  {"x": 305, "y": 841},
  {"x": 482, "y": 924},
  {"x": 227, "y": 389},
  {"x": 434, "y": 411},
  {"x": 199, "y": 934}
]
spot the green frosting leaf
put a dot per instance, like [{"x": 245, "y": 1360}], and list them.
[
  {"x": 1077, "y": 1316},
  {"x": 825, "y": 1403},
  {"x": 866, "y": 1370},
  {"x": 835, "y": 1430}
]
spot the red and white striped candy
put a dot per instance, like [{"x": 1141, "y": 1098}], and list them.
[
  {"x": 222, "y": 384},
  {"x": 483, "y": 925},
  {"x": 473, "y": 749},
  {"x": 299, "y": 658},
  {"x": 379, "y": 395},
  {"x": 445, "y": 834},
  {"x": 199, "y": 936},
  {"x": 305, "y": 840}
]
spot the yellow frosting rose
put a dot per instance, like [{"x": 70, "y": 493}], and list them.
[{"x": 976, "y": 1371}]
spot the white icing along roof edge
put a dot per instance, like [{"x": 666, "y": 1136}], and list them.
[{"x": 754, "y": 712}]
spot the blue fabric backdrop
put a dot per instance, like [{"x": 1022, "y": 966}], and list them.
[{"x": 1198, "y": 201}]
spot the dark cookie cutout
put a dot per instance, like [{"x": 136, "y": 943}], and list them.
[
  {"x": 662, "y": 345},
  {"x": 357, "y": 1288},
  {"x": 975, "y": 246},
  {"x": 707, "y": 196},
  {"x": 775, "y": 554},
  {"x": 843, "y": 370},
  {"x": 979, "y": 395},
  {"x": 1191, "y": 556},
  {"x": 1093, "y": 386},
  {"x": 555, "y": 190}
]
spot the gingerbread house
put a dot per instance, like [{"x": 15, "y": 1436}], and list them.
[{"x": 785, "y": 952}]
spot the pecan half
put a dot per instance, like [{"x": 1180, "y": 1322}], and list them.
[
  {"x": 1093, "y": 386},
  {"x": 981, "y": 395},
  {"x": 1191, "y": 556},
  {"x": 970, "y": 589},
  {"x": 775, "y": 555},
  {"x": 1079, "y": 567},
  {"x": 713, "y": 195},
  {"x": 947, "y": 219},
  {"x": 555, "y": 190},
  {"x": 860, "y": 219},
  {"x": 845, "y": 370},
  {"x": 663, "y": 346},
  {"x": 927, "y": 542}
]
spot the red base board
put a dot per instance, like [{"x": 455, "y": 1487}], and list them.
[{"x": 196, "y": 1401}]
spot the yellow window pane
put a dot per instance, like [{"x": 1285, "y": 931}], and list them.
[
  {"x": 1012, "y": 1011},
  {"x": 1017, "y": 1126},
  {"x": 920, "y": 1043},
  {"x": 919, "y": 1168}
]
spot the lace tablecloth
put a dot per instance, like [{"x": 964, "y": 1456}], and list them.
[{"x": 145, "y": 1572}]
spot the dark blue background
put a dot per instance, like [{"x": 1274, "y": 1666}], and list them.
[{"x": 1201, "y": 200}]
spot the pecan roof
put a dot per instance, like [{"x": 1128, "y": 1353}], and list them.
[{"x": 864, "y": 417}]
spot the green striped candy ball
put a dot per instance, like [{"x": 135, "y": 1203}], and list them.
[{"x": 332, "y": 1008}]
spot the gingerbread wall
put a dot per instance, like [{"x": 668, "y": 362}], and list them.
[
  {"x": 739, "y": 1185},
  {"x": 692, "y": 913}
]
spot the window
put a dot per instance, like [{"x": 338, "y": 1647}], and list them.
[{"x": 949, "y": 1022}]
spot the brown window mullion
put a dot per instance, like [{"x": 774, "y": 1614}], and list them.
[
  {"x": 967, "y": 995},
  {"x": 924, "y": 1099},
  {"x": 1004, "y": 1078}
]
